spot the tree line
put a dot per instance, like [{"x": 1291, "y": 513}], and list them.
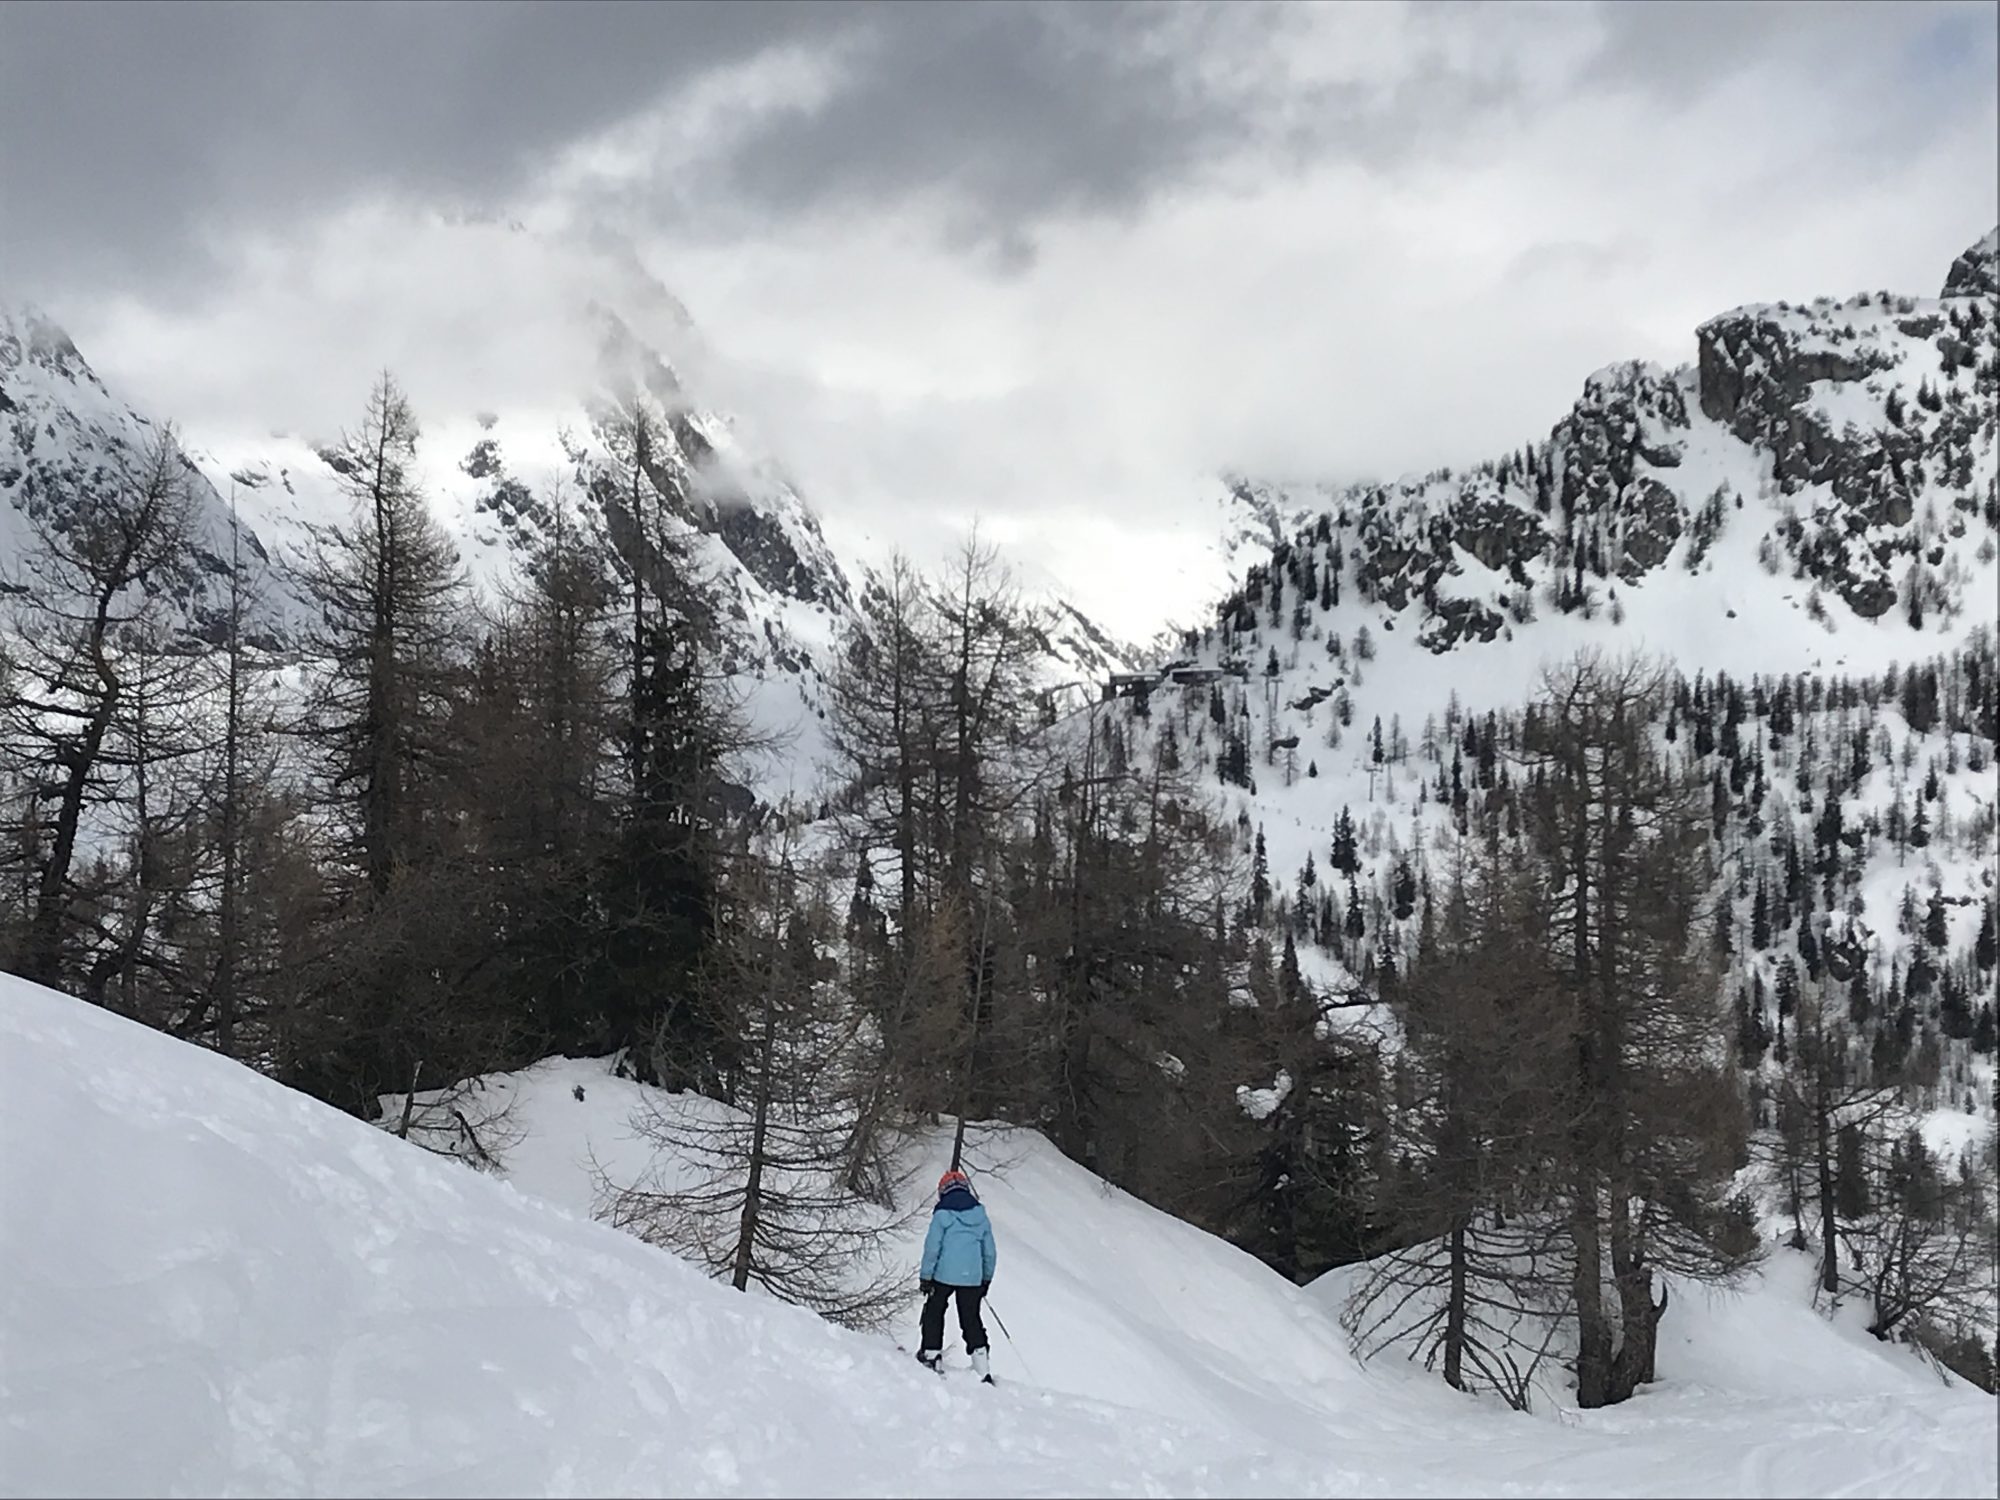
[{"x": 429, "y": 833}]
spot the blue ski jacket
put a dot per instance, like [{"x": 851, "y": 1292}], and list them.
[{"x": 958, "y": 1249}]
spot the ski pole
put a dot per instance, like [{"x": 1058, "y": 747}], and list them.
[{"x": 997, "y": 1323}]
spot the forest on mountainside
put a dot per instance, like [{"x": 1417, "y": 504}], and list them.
[{"x": 1631, "y": 988}]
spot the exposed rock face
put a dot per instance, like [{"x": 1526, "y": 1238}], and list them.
[
  {"x": 1628, "y": 415},
  {"x": 768, "y": 531},
  {"x": 1503, "y": 537},
  {"x": 1457, "y": 620},
  {"x": 1758, "y": 370},
  {"x": 1651, "y": 522},
  {"x": 760, "y": 542},
  {"x": 1752, "y": 366},
  {"x": 1977, "y": 272}
]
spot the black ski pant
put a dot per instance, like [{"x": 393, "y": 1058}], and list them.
[{"x": 968, "y": 1316}]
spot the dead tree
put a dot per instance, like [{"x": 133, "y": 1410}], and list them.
[
  {"x": 1924, "y": 1259},
  {"x": 758, "y": 1191},
  {"x": 1827, "y": 1090},
  {"x": 95, "y": 585}
]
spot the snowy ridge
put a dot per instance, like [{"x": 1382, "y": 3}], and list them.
[
  {"x": 63, "y": 434},
  {"x": 226, "y": 1288}
]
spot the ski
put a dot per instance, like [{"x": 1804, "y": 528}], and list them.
[{"x": 944, "y": 1371}]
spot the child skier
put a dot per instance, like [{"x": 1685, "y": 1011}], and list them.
[{"x": 958, "y": 1258}]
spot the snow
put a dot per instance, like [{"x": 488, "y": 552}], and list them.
[
  {"x": 1259, "y": 1103},
  {"x": 213, "y": 1285}
]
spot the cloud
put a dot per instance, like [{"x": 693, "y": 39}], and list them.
[
  {"x": 1679, "y": 50},
  {"x": 1052, "y": 266},
  {"x": 140, "y": 138}
]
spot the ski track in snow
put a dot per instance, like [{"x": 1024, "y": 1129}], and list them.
[{"x": 212, "y": 1285}]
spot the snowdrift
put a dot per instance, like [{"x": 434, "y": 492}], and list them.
[{"x": 212, "y": 1285}]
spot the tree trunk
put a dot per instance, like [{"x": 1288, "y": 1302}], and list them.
[
  {"x": 1454, "y": 1316},
  {"x": 1829, "y": 1254},
  {"x": 753, "y": 1186},
  {"x": 1638, "y": 1315},
  {"x": 379, "y": 809},
  {"x": 44, "y": 947},
  {"x": 227, "y": 933},
  {"x": 906, "y": 802},
  {"x": 410, "y": 1102},
  {"x": 637, "y": 749},
  {"x": 1593, "y": 1332},
  {"x": 1593, "y": 1358}
]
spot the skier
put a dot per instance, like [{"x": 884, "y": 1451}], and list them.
[{"x": 958, "y": 1258}]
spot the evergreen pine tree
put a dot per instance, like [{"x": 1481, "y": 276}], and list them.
[
  {"x": 1935, "y": 931},
  {"x": 1260, "y": 881},
  {"x": 1753, "y": 1040},
  {"x": 1851, "y": 1200},
  {"x": 1404, "y": 891},
  {"x": 1346, "y": 854},
  {"x": 1787, "y": 988}
]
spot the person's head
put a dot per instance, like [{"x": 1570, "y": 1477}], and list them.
[{"x": 953, "y": 1179}]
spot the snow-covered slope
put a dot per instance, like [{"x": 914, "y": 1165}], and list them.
[
  {"x": 212, "y": 1285},
  {"x": 1104, "y": 1298},
  {"x": 215, "y": 1286}
]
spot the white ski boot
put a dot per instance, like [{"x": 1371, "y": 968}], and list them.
[{"x": 981, "y": 1364}]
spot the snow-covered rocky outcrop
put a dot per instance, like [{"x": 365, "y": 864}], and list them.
[{"x": 1848, "y": 448}]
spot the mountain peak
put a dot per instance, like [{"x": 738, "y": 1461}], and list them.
[
  {"x": 28, "y": 336},
  {"x": 1977, "y": 272}
]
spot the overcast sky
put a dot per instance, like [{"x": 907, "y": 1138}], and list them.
[{"x": 1056, "y": 267}]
